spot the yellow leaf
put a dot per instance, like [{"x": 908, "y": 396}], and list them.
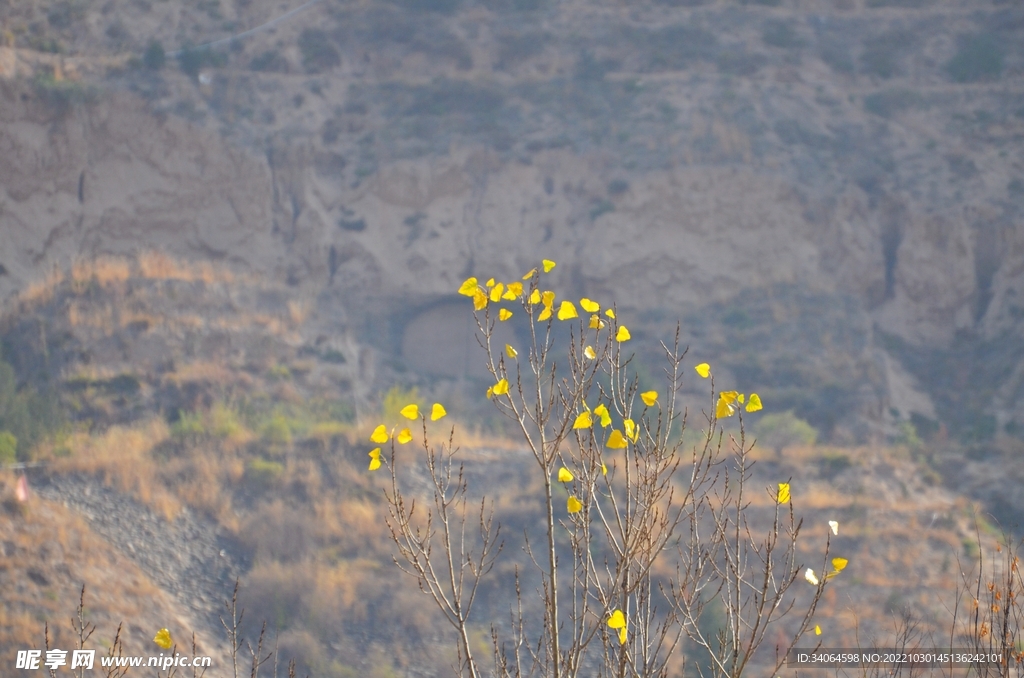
[
  {"x": 602, "y": 412},
  {"x": 404, "y": 436},
  {"x": 564, "y": 475},
  {"x": 514, "y": 291},
  {"x": 622, "y": 334},
  {"x": 724, "y": 409},
  {"x": 490, "y": 283},
  {"x": 374, "y": 464},
  {"x": 490, "y": 392},
  {"x": 573, "y": 505},
  {"x": 496, "y": 292},
  {"x": 548, "y": 265},
  {"x": 839, "y": 564},
  {"x": 590, "y": 306},
  {"x": 504, "y": 314},
  {"x": 729, "y": 396},
  {"x": 535, "y": 297},
  {"x": 622, "y": 636},
  {"x": 617, "y": 620},
  {"x": 610, "y": 313},
  {"x": 545, "y": 313},
  {"x": 501, "y": 388},
  {"x": 809, "y": 576},
  {"x": 374, "y": 453},
  {"x": 703, "y": 370},
  {"x": 548, "y": 298},
  {"x": 410, "y": 411},
  {"x": 437, "y": 411},
  {"x": 604, "y": 469},
  {"x": 567, "y": 311},
  {"x": 530, "y": 274},
  {"x": 512, "y": 353},
  {"x": 817, "y": 630},
  {"x": 783, "y": 496},
  {"x": 649, "y": 398},
  {"x": 479, "y": 300},
  {"x": 740, "y": 399},
  {"x": 755, "y": 403},
  {"x": 379, "y": 435},
  {"x": 615, "y": 440},
  {"x": 596, "y": 323},
  {"x": 834, "y": 525},
  {"x": 583, "y": 421},
  {"x": 589, "y": 352},
  {"x": 469, "y": 287},
  {"x": 163, "y": 639},
  {"x": 632, "y": 430}
]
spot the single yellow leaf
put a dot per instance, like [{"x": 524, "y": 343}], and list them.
[
  {"x": 514, "y": 291},
  {"x": 163, "y": 639},
  {"x": 512, "y": 353},
  {"x": 374, "y": 464},
  {"x": 729, "y": 396},
  {"x": 589, "y": 353},
  {"x": 610, "y": 313},
  {"x": 410, "y": 411},
  {"x": 649, "y": 398},
  {"x": 479, "y": 300},
  {"x": 602, "y": 411},
  {"x": 545, "y": 313},
  {"x": 740, "y": 399},
  {"x": 723, "y": 409},
  {"x": 379, "y": 435},
  {"x": 532, "y": 272},
  {"x": 504, "y": 314},
  {"x": 622, "y": 334},
  {"x": 496, "y": 292},
  {"x": 703, "y": 370},
  {"x": 839, "y": 564},
  {"x": 834, "y": 525},
  {"x": 565, "y": 475},
  {"x": 374, "y": 453},
  {"x": 783, "y": 494},
  {"x": 583, "y": 421},
  {"x": 490, "y": 392},
  {"x": 469, "y": 287},
  {"x": 604, "y": 469},
  {"x": 817, "y": 630},
  {"x": 548, "y": 265},
  {"x": 573, "y": 505},
  {"x": 589, "y": 306},
  {"x": 755, "y": 403},
  {"x": 632, "y": 430},
  {"x": 567, "y": 311},
  {"x": 547, "y": 298},
  {"x": 615, "y": 440},
  {"x": 617, "y": 620},
  {"x": 501, "y": 388},
  {"x": 535, "y": 297},
  {"x": 490, "y": 283},
  {"x": 437, "y": 411},
  {"x": 404, "y": 436},
  {"x": 622, "y": 636},
  {"x": 809, "y": 576},
  {"x": 596, "y": 323}
]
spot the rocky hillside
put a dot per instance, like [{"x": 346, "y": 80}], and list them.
[{"x": 828, "y": 192}]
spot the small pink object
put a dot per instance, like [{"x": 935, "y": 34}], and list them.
[{"x": 21, "y": 491}]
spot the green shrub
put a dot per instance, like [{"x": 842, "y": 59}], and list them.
[
  {"x": 781, "y": 430},
  {"x": 263, "y": 472},
  {"x": 188, "y": 425},
  {"x": 979, "y": 58},
  {"x": 8, "y": 448},
  {"x": 154, "y": 57},
  {"x": 277, "y": 430}
]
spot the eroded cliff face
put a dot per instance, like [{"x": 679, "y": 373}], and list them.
[{"x": 849, "y": 240}]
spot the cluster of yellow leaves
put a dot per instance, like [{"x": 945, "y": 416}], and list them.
[
  {"x": 380, "y": 434},
  {"x": 494, "y": 292}
]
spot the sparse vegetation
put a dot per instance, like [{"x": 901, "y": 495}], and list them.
[{"x": 978, "y": 59}]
